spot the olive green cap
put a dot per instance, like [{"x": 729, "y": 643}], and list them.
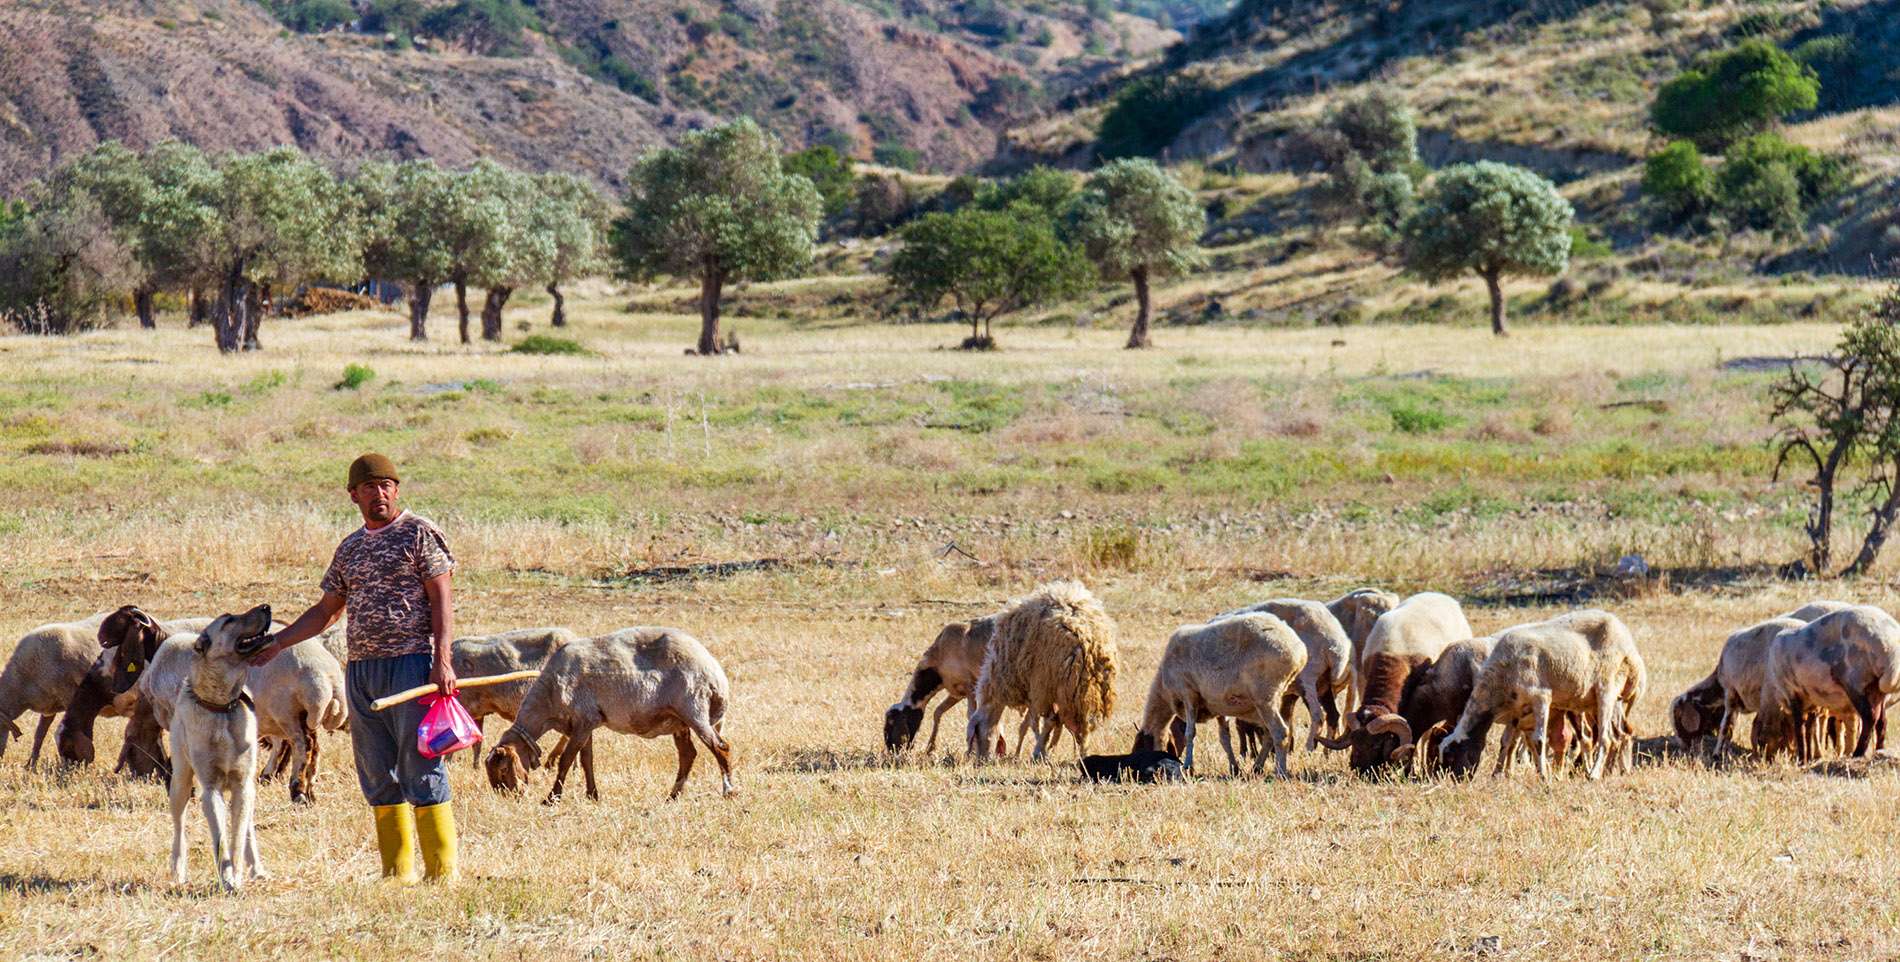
[{"x": 372, "y": 467}]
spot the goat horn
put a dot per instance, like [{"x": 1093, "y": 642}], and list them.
[
  {"x": 1394, "y": 724},
  {"x": 1336, "y": 744}
]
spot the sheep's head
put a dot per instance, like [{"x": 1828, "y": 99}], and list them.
[
  {"x": 1374, "y": 740},
  {"x": 1360, "y": 608},
  {"x": 1695, "y": 714},
  {"x": 74, "y": 746},
  {"x": 901, "y": 723},
  {"x": 505, "y": 770},
  {"x": 1774, "y": 730},
  {"x": 1460, "y": 752},
  {"x": 130, "y": 637}
]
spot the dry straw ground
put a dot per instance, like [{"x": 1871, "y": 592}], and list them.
[{"x": 1225, "y": 467}]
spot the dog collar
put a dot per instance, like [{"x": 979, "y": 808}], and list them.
[{"x": 243, "y": 698}]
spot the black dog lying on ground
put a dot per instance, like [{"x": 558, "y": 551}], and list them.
[{"x": 1146, "y": 767}]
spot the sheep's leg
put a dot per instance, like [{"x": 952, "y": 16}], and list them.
[
  {"x": 302, "y": 736},
  {"x": 715, "y": 742},
  {"x": 682, "y": 743},
  {"x": 39, "y": 738},
  {"x": 310, "y": 764},
  {"x": 937, "y": 719},
  {"x": 1329, "y": 701},
  {"x": 1227, "y": 745},
  {"x": 1187, "y": 738},
  {"x": 181, "y": 799},
  {"x": 560, "y": 748},
  {"x": 1022, "y": 733},
  {"x": 569, "y": 751},
  {"x": 1278, "y": 737},
  {"x": 1507, "y": 752},
  {"x": 1540, "y": 733},
  {"x": 587, "y": 770},
  {"x": 475, "y": 751},
  {"x": 1863, "y": 706},
  {"x": 1309, "y": 692},
  {"x": 1041, "y": 727},
  {"x": 1725, "y": 732}
]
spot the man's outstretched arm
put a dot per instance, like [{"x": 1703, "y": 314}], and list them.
[{"x": 310, "y": 624}]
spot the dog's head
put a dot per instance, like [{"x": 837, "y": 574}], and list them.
[
  {"x": 230, "y": 640},
  {"x": 130, "y": 638}
]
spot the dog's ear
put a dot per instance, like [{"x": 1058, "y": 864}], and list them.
[{"x": 203, "y": 644}]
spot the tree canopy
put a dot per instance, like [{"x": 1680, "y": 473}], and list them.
[
  {"x": 1490, "y": 219},
  {"x": 987, "y": 263},
  {"x": 1135, "y": 221},
  {"x": 1736, "y": 92}
]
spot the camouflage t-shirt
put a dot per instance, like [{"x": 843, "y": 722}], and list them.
[{"x": 380, "y": 575}]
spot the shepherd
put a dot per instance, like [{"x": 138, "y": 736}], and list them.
[{"x": 392, "y": 576}]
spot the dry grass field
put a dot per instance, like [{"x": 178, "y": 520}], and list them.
[{"x": 1226, "y": 467}]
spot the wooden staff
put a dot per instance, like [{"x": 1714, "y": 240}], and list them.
[{"x": 477, "y": 682}]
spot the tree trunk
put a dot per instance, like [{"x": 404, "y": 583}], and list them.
[
  {"x": 492, "y": 304},
  {"x": 420, "y": 294},
  {"x": 710, "y": 284},
  {"x": 1144, "y": 306},
  {"x": 461, "y": 305},
  {"x": 1877, "y": 535},
  {"x": 256, "y": 305},
  {"x": 1492, "y": 284},
  {"x": 200, "y": 311},
  {"x": 227, "y": 319},
  {"x": 560, "y": 306},
  {"x": 142, "y": 303}
]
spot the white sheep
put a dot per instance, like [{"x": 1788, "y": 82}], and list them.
[
  {"x": 44, "y": 671},
  {"x": 1238, "y": 667},
  {"x": 1712, "y": 705},
  {"x": 1054, "y": 656},
  {"x": 1403, "y": 641},
  {"x": 1329, "y": 660},
  {"x": 1584, "y": 662},
  {"x": 1846, "y": 663},
  {"x": 1357, "y": 611},
  {"x": 638, "y": 681}
]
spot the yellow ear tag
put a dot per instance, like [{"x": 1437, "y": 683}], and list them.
[{"x": 131, "y": 669}]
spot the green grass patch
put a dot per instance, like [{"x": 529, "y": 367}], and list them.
[
  {"x": 548, "y": 344},
  {"x": 354, "y": 377}
]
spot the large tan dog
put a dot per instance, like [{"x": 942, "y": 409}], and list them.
[{"x": 214, "y": 741}]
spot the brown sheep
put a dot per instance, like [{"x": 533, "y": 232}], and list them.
[{"x": 1053, "y": 655}]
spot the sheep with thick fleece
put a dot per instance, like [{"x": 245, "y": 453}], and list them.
[
  {"x": 1357, "y": 611},
  {"x": 1403, "y": 642},
  {"x": 1239, "y": 667},
  {"x": 1712, "y": 705},
  {"x": 1584, "y": 662},
  {"x": 296, "y": 693},
  {"x": 1846, "y": 663},
  {"x": 638, "y": 681},
  {"x": 1053, "y": 655},
  {"x": 1328, "y": 670},
  {"x": 44, "y": 671}
]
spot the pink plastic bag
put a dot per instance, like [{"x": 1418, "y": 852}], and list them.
[{"x": 446, "y": 727}]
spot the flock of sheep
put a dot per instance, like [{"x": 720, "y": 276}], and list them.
[
  {"x": 1422, "y": 692},
  {"x": 642, "y": 681}
]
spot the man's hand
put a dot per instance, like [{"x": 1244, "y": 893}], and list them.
[
  {"x": 271, "y": 649},
  {"x": 443, "y": 677}
]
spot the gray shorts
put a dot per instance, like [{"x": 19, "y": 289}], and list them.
[{"x": 388, "y": 766}]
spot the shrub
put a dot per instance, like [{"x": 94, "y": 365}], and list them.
[
  {"x": 1769, "y": 183},
  {"x": 828, "y": 170},
  {"x": 313, "y": 16},
  {"x": 1678, "y": 179},
  {"x": 897, "y": 155},
  {"x": 548, "y": 344},
  {"x": 1149, "y": 113},
  {"x": 1733, "y": 93},
  {"x": 354, "y": 377}
]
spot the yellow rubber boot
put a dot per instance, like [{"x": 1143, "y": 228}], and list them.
[
  {"x": 435, "y": 829},
  {"x": 396, "y": 840}
]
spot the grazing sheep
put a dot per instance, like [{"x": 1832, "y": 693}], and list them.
[
  {"x": 295, "y": 693},
  {"x": 1584, "y": 662},
  {"x": 1239, "y": 667},
  {"x": 637, "y": 681},
  {"x": 1710, "y": 706},
  {"x": 42, "y": 675},
  {"x": 951, "y": 663},
  {"x": 1847, "y": 661},
  {"x": 1357, "y": 611},
  {"x": 1142, "y": 767},
  {"x": 1816, "y": 609},
  {"x": 1403, "y": 643},
  {"x": 518, "y": 650},
  {"x": 103, "y": 693},
  {"x": 1433, "y": 705},
  {"x": 1053, "y": 654},
  {"x": 1328, "y": 670}
]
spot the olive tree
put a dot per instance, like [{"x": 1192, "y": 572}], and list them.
[
  {"x": 519, "y": 248},
  {"x": 62, "y": 266},
  {"x": 404, "y": 208},
  {"x": 572, "y": 215},
  {"x": 719, "y": 208},
  {"x": 156, "y": 204},
  {"x": 1135, "y": 221},
  {"x": 477, "y": 226},
  {"x": 987, "y": 263},
  {"x": 277, "y": 218},
  {"x": 1490, "y": 219}
]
